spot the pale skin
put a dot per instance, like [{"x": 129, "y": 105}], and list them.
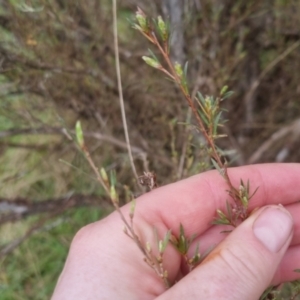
[{"x": 103, "y": 263}]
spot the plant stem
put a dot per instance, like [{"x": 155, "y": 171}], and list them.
[
  {"x": 152, "y": 261},
  {"x": 208, "y": 137}
]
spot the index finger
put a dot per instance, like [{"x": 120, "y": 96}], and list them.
[{"x": 193, "y": 202}]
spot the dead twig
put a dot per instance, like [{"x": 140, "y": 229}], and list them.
[
  {"x": 293, "y": 128},
  {"x": 118, "y": 71},
  {"x": 137, "y": 151},
  {"x": 12, "y": 210},
  {"x": 270, "y": 66},
  {"x": 36, "y": 227},
  {"x": 63, "y": 131}
]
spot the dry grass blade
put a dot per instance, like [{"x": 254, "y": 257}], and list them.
[{"x": 117, "y": 58}]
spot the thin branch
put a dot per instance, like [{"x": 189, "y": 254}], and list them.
[
  {"x": 35, "y": 147},
  {"x": 63, "y": 131},
  {"x": 12, "y": 210},
  {"x": 139, "y": 152},
  {"x": 36, "y": 227},
  {"x": 209, "y": 110},
  {"x": 268, "y": 68},
  {"x": 279, "y": 134},
  {"x": 184, "y": 146},
  {"x": 129, "y": 230},
  {"x": 214, "y": 153},
  {"x": 20, "y": 131},
  {"x": 116, "y": 46}
]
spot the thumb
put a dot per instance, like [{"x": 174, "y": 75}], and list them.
[{"x": 243, "y": 265}]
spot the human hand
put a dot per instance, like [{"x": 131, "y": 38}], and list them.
[{"x": 103, "y": 263}]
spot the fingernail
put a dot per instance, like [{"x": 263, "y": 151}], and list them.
[{"x": 273, "y": 227}]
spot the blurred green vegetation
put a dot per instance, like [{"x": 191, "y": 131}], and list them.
[
  {"x": 32, "y": 271},
  {"x": 57, "y": 66}
]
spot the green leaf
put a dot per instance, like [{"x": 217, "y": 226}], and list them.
[
  {"x": 29, "y": 9},
  {"x": 245, "y": 201},
  {"x": 197, "y": 256},
  {"x": 137, "y": 27},
  {"x": 113, "y": 194},
  {"x": 104, "y": 175},
  {"x": 227, "y": 95},
  {"x": 217, "y": 167},
  {"x": 216, "y": 123},
  {"x": 178, "y": 69},
  {"x": 113, "y": 178},
  {"x": 151, "y": 62},
  {"x": 163, "y": 244},
  {"x": 79, "y": 134},
  {"x": 185, "y": 69},
  {"x": 224, "y": 90},
  {"x": 200, "y": 97},
  {"x": 182, "y": 243},
  {"x": 185, "y": 87},
  {"x": 203, "y": 117},
  {"x": 142, "y": 19},
  {"x": 221, "y": 214},
  {"x": 132, "y": 208},
  {"x": 254, "y": 193},
  {"x": 226, "y": 231},
  {"x": 181, "y": 229},
  {"x": 162, "y": 28},
  {"x": 220, "y": 222},
  {"x": 153, "y": 55}
]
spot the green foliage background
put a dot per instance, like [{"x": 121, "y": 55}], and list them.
[{"x": 57, "y": 66}]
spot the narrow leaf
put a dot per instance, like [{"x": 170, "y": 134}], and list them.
[
  {"x": 153, "y": 55},
  {"x": 220, "y": 222},
  {"x": 164, "y": 242},
  {"x": 227, "y": 95},
  {"x": 201, "y": 98},
  {"x": 229, "y": 210},
  {"x": 203, "y": 117},
  {"x": 104, "y": 175},
  {"x": 254, "y": 193},
  {"x": 113, "y": 178},
  {"x": 114, "y": 195},
  {"x": 132, "y": 208},
  {"x": 185, "y": 69},
  {"x": 216, "y": 122},
  {"x": 224, "y": 90},
  {"x": 79, "y": 134},
  {"x": 217, "y": 167}
]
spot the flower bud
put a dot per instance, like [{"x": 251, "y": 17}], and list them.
[
  {"x": 178, "y": 69},
  {"x": 79, "y": 134},
  {"x": 104, "y": 175},
  {"x": 113, "y": 195},
  {"x": 151, "y": 62},
  {"x": 162, "y": 28},
  {"x": 142, "y": 20}
]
